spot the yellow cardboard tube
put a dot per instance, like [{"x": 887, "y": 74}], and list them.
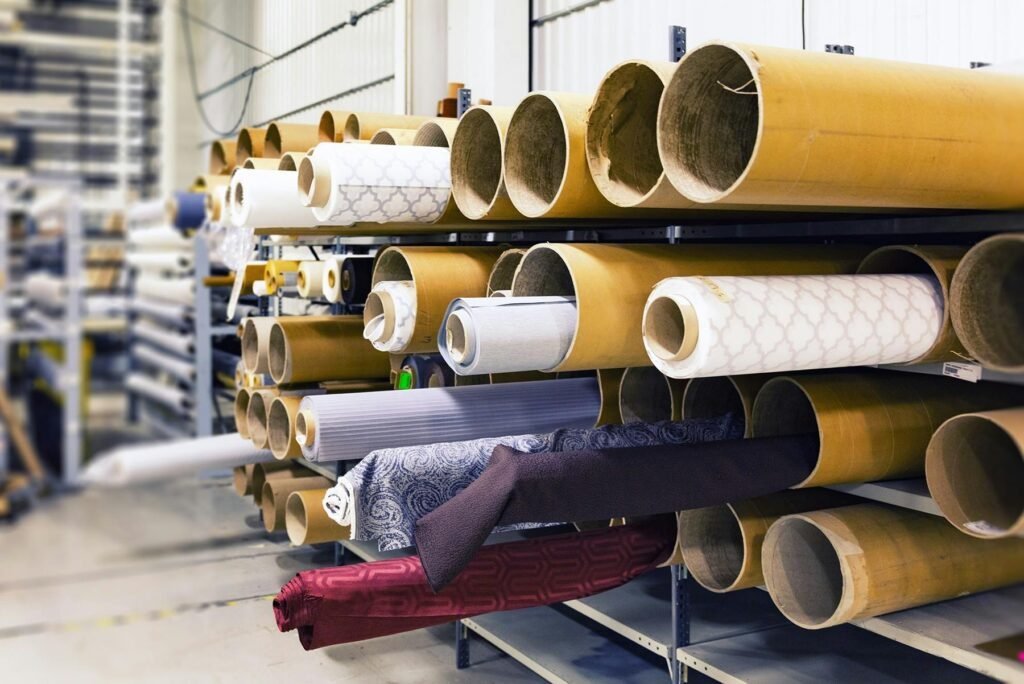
[
  {"x": 242, "y": 412},
  {"x": 275, "y": 495},
  {"x": 332, "y": 125},
  {"x": 249, "y": 144},
  {"x": 713, "y": 397},
  {"x": 986, "y": 303},
  {"x": 611, "y": 284},
  {"x": 256, "y": 415},
  {"x": 364, "y": 125},
  {"x": 289, "y": 137},
  {"x": 281, "y": 427},
  {"x": 210, "y": 182},
  {"x": 241, "y": 480},
  {"x": 438, "y": 132},
  {"x": 263, "y": 472},
  {"x": 648, "y": 396},
  {"x": 545, "y": 164},
  {"x": 316, "y": 348},
  {"x": 477, "y": 161},
  {"x": 939, "y": 261},
  {"x": 757, "y": 125},
  {"x": 871, "y": 425},
  {"x": 254, "y": 271},
  {"x": 721, "y": 545},
  {"x": 439, "y": 274},
  {"x": 290, "y": 161},
  {"x": 608, "y": 382},
  {"x": 222, "y": 157},
  {"x": 824, "y": 568},
  {"x": 306, "y": 521},
  {"x": 256, "y": 344},
  {"x": 261, "y": 163},
  {"x": 393, "y": 136},
  {"x": 274, "y": 270},
  {"x": 975, "y": 470},
  {"x": 504, "y": 270}
]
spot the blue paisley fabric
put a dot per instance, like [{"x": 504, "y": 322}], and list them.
[{"x": 388, "y": 491}]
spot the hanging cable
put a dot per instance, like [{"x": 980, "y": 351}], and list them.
[
  {"x": 219, "y": 31},
  {"x": 803, "y": 24}
]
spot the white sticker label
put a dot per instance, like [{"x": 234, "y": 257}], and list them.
[
  {"x": 715, "y": 289},
  {"x": 971, "y": 372},
  {"x": 983, "y": 527}
]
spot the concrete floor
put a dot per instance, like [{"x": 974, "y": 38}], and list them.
[{"x": 172, "y": 583}]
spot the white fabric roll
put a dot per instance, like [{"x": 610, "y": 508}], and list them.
[
  {"x": 178, "y": 367},
  {"x": 160, "y": 261},
  {"x": 160, "y": 336},
  {"x": 179, "y": 290},
  {"x": 160, "y": 237},
  {"x": 733, "y": 325},
  {"x": 105, "y": 306},
  {"x": 313, "y": 279},
  {"x": 384, "y": 183},
  {"x": 45, "y": 289},
  {"x": 164, "y": 311},
  {"x": 171, "y": 397},
  {"x": 332, "y": 275},
  {"x": 267, "y": 199},
  {"x": 391, "y": 331},
  {"x": 148, "y": 212},
  {"x": 507, "y": 334},
  {"x": 349, "y": 426},
  {"x": 165, "y": 460}
]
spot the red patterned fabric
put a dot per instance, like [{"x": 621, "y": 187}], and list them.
[{"x": 355, "y": 602}]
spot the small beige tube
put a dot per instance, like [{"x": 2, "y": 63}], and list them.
[
  {"x": 262, "y": 472},
  {"x": 257, "y": 415},
  {"x": 249, "y": 144},
  {"x": 275, "y": 495},
  {"x": 393, "y": 136},
  {"x": 281, "y": 427},
  {"x": 477, "y": 164},
  {"x": 648, "y": 396},
  {"x": 714, "y": 397},
  {"x": 242, "y": 412},
  {"x": 289, "y": 137},
  {"x": 306, "y": 521}
]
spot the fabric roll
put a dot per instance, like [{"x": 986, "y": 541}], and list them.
[
  {"x": 383, "y": 184},
  {"x": 152, "y": 462},
  {"x": 310, "y": 279},
  {"x": 355, "y": 602},
  {"x": 340, "y": 427},
  {"x": 159, "y": 261},
  {"x": 189, "y": 209},
  {"x": 170, "y": 396},
  {"x": 148, "y": 212},
  {"x": 179, "y": 290},
  {"x": 596, "y": 484},
  {"x": 384, "y": 495},
  {"x": 391, "y": 309},
  {"x": 424, "y": 370},
  {"x": 163, "y": 311},
  {"x": 507, "y": 334},
  {"x": 159, "y": 336},
  {"x": 160, "y": 237},
  {"x": 180, "y": 368},
  {"x": 347, "y": 278},
  {"x": 734, "y": 325},
  {"x": 263, "y": 198},
  {"x": 45, "y": 289}
]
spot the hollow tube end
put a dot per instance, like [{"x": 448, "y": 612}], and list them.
[
  {"x": 305, "y": 428},
  {"x": 671, "y": 327}
]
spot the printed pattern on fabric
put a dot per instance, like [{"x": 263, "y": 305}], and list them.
[
  {"x": 648, "y": 434},
  {"x": 403, "y": 296}
]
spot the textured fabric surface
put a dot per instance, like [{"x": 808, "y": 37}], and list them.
[
  {"x": 383, "y": 496},
  {"x": 354, "y": 602},
  {"x": 602, "y": 483}
]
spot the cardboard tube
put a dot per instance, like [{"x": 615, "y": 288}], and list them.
[
  {"x": 608, "y": 382},
  {"x": 256, "y": 344},
  {"x": 611, "y": 284},
  {"x": 274, "y": 273},
  {"x": 332, "y": 125},
  {"x": 364, "y": 125},
  {"x": 241, "y": 480},
  {"x": 712, "y": 397},
  {"x": 870, "y": 425},
  {"x": 824, "y": 568},
  {"x": 242, "y": 412},
  {"x": 545, "y": 161},
  {"x": 264, "y": 472},
  {"x": 257, "y": 416},
  {"x": 478, "y": 151},
  {"x": 439, "y": 274},
  {"x": 935, "y": 260},
  {"x": 254, "y": 271},
  {"x": 647, "y": 396},
  {"x": 394, "y": 136},
  {"x": 721, "y": 545},
  {"x": 504, "y": 270},
  {"x": 281, "y": 427},
  {"x": 975, "y": 472},
  {"x": 622, "y": 145},
  {"x": 986, "y": 303},
  {"x": 763, "y": 125},
  {"x": 222, "y": 157},
  {"x": 311, "y": 279},
  {"x": 261, "y": 163},
  {"x": 306, "y": 521},
  {"x": 315, "y": 348},
  {"x": 289, "y": 137},
  {"x": 437, "y": 132},
  {"x": 275, "y": 494},
  {"x": 290, "y": 161},
  {"x": 250, "y": 144}
]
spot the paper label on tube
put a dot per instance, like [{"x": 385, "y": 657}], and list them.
[
  {"x": 971, "y": 372},
  {"x": 715, "y": 288}
]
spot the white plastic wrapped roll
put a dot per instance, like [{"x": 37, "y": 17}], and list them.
[
  {"x": 179, "y": 290},
  {"x": 159, "y": 261},
  {"x": 161, "y": 237},
  {"x": 160, "y": 336},
  {"x": 734, "y": 325},
  {"x": 267, "y": 199},
  {"x": 172, "y": 397}
]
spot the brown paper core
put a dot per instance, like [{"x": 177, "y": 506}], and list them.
[
  {"x": 305, "y": 428},
  {"x": 783, "y": 408},
  {"x": 536, "y": 155},
  {"x": 476, "y": 163},
  {"x": 257, "y": 415},
  {"x": 240, "y": 481},
  {"x": 622, "y": 144},
  {"x": 543, "y": 273},
  {"x": 709, "y": 122},
  {"x": 456, "y": 338},
  {"x": 989, "y": 310},
  {"x": 295, "y": 518},
  {"x": 976, "y": 474},
  {"x": 300, "y": 280},
  {"x": 277, "y": 352},
  {"x": 219, "y": 162},
  {"x": 279, "y": 428},
  {"x": 346, "y": 279},
  {"x": 326, "y": 127},
  {"x": 804, "y": 573},
  {"x": 242, "y": 413},
  {"x": 644, "y": 396},
  {"x": 306, "y": 179},
  {"x": 712, "y": 543},
  {"x": 377, "y": 304},
  {"x": 250, "y": 346},
  {"x": 504, "y": 270},
  {"x": 713, "y": 397},
  {"x": 670, "y": 328},
  {"x": 430, "y": 135},
  {"x": 351, "y": 127},
  {"x": 287, "y": 163}
]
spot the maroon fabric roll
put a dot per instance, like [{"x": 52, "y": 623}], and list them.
[
  {"x": 355, "y": 602},
  {"x": 596, "y": 484}
]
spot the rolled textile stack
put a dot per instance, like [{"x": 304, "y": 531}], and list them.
[
  {"x": 355, "y": 602},
  {"x": 341, "y": 427},
  {"x": 707, "y": 326},
  {"x": 824, "y": 568},
  {"x": 347, "y": 278}
]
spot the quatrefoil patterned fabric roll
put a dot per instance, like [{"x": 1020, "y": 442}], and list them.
[{"x": 708, "y": 326}]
